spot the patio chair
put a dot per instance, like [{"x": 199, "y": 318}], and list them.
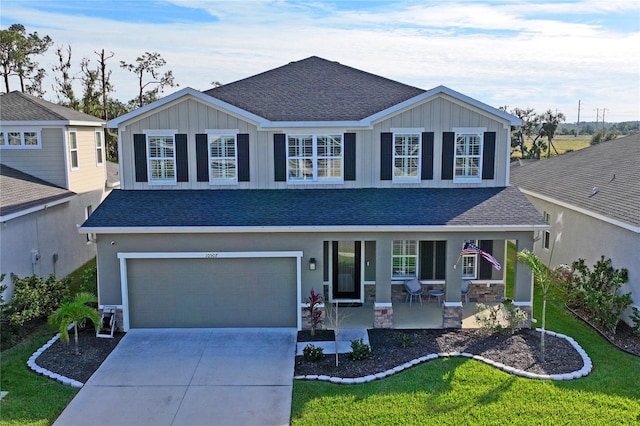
[
  {"x": 464, "y": 287},
  {"x": 414, "y": 289}
]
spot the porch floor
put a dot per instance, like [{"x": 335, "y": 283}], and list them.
[{"x": 425, "y": 315}]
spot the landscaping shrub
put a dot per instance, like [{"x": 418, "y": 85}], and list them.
[
  {"x": 35, "y": 297},
  {"x": 503, "y": 318},
  {"x": 596, "y": 292},
  {"x": 406, "y": 341},
  {"x": 635, "y": 318},
  {"x": 359, "y": 350},
  {"x": 312, "y": 353},
  {"x": 315, "y": 314}
]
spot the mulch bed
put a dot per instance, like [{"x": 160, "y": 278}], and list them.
[{"x": 624, "y": 337}]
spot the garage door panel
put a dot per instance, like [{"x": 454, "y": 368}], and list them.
[{"x": 212, "y": 292}]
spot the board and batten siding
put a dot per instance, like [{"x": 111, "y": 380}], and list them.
[{"x": 435, "y": 116}]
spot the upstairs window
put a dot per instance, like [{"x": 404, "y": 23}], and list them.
[
  {"x": 314, "y": 158},
  {"x": 406, "y": 156},
  {"x": 99, "y": 148},
  {"x": 161, "y": 157},
  {"x": 468, "y": 154},
  {"x": 223, "y": 159},
  {"x": 73, "y": 148},
  {"x": 20, "y": 139}
]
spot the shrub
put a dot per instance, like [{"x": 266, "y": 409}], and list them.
[
  {"x": 635, "y": 317},
  {"x": 359, "y": 350},
  {"x": 35, "y": 297},
  {"x": 312, "y": 353},
  {"x": 315, "y": 314},
  {"x": 406, "y": 340},
  {"x": 503, "y": 318},
  {"x": 597, "y": 292},
  {"x": 88, "y": 279}
]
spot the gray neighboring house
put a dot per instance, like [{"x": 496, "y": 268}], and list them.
[
  {"x": 237, "y": 201},
  {"x": 52, "y": 176},
  {"x": 591, "y": 197}
]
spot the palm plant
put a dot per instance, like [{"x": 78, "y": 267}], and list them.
[{"x": 77, "y": 312}]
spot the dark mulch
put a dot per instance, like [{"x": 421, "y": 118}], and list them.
[
  {"x": 61, "y": 358},
  {"x": 520, "y": 351}
]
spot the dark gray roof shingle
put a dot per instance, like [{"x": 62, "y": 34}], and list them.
[
  {"x": 20, "y": 191},
  {"x": 571, "y": 178},
  {"x": 314, "y": 89},
  {"x": 315, "y": 208},
  {"x": 18, "y": 106}
]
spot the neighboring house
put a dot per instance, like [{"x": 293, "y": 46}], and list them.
[
  {"x": 591, "y": 197},
  {"x": 236, "y": 202},
  {"x": 52, "y": 176}
]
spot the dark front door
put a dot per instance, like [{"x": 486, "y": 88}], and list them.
[{"x": 346, "y": 269}]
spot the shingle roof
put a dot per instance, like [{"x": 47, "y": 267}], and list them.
[
  {"x": 612, "y": 167},
  {"x": 314, "y": 89},
  {"x": 293, "y": 208},
  {"x": 20, "y": 191},
  {"x": 18, "y": 106}
]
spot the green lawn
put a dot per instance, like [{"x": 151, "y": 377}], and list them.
[{"x": 459, "y": 391}]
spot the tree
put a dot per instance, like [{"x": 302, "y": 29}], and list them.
[
  {"x": 16, "y": 51},
  {"x": 104, "y": 79},
  {"x": 75, "y": 312},
  {"x": 527, "y": 129},
  {"x": 63, "y": 86},
  {"x": 149, "y": 63},
  {"x": 549, "y": 122}
]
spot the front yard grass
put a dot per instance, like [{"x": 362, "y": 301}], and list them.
[{"x": 459, "y": 391}]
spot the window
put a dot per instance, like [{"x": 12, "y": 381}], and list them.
[
  {"x": 547, "y": 235},
  {"x": 91, "y": 238},
  {"x": 223, "y": 158},
  {"x": 406, "y": 156},
  {"x": 470, "y": 264},
  {"x": 20, "y": 139},
  {"x": 99, "y": 148},
  {"x": 314, "y": 158},
  {"x": 73, "y": 148},
  {"x": 404, "y": 258},
  {"x": 161, "y": 159},
  {"x": 468, "y": 154}
]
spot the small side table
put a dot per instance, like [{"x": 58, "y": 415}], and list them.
[{"x": 437, "y": 294}]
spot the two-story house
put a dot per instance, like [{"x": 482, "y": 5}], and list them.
[
  {"x": 52, "y": 176},
  {"x": 237, "y": 201}
]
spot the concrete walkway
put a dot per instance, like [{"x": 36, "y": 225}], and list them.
[{"x": 191, "y": 377}]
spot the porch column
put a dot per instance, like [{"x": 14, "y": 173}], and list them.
[
  {"x": 452, "y": 309},
  {"x": 523, "y": 280},
  {"x": 382, "y": 307}
]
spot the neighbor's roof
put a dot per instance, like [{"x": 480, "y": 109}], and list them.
[
  {"x": 21, "y": 107},
  {"x": 612, "y": 167},
  {"x": 21, "y": 193},
  {"x": 314, "y": 92},
  {"x": 305, "y": 209}
]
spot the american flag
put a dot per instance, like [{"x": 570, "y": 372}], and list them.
[{"x": 470, "y": 248}]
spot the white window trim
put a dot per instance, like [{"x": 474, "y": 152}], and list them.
[
  {"x": 22, "y": 131},
  {"x": 71, "y": 150},
  {"x": 100, "y": 158},
  {"x": 406, "y": 131},
  {"x": 467, "y": 131},
  {"x": 314, "y": 159},
  {"x": 221, "y": 132},
  {"x": 475, "y": 263},
  {"x": 161, "y": 132},
  {"x": 416, "y": 256}
]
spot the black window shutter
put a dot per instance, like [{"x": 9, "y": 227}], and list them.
[
  {"x": 182, "y": 162},
  {"x": 488, "y": 155},
  {"x": 202, "y": 158},
  {"x": 427, "y": 156},
  {"x": 140, "y": 156},
  {"x": 243, "y": 157},
  {"x": 426, "y": 260},
  {"x": 441, "y": 260},
  {"x": 448, "y": 146},
  {"x": 485, "y": 266},
  {"x": 279, "y": 157},
  {"x": 386, "y": 155},
  {"x": 349, "y": 156}
]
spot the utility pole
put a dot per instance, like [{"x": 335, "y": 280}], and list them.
[
  {"x": 597, "y": 118},
  {"x": 603, "y": 110},
  {"x": 578, "y": 123}
]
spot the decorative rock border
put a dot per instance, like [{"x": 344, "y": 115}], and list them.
[
  {"x": 584, "y": 371},
  {"x": 50, "y": 374}
]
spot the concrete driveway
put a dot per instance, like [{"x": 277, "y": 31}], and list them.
[{"x": 191, "y": 377}]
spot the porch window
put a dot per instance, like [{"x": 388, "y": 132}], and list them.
[
  {"x": 161, "y": 159},
  {"x": 468, "y": 154},
  {"x": 314, "y": 158},
  {"x": 223, "y": 159},
  {"x": 470, "y": 264},
  {"x": 406, "y": 156},
  {"x": 404, "y": 259}
]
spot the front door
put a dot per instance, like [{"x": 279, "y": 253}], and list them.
[{"x": 346, "y": 269}]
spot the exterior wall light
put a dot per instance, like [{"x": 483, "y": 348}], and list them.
[{"x": 312, "y": 264}]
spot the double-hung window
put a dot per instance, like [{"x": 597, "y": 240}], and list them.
[
  {"x": 99, "y": 148},
  {"x": 468, "y": 154},
  {"x": 223, "y": 158},
  {"x": 315, "y": 158},
  {"x": 470, "y": 264},
  {"x": 161, "y": 155},
  {"x": 73, "y": 149},
  {"x": 20, "y": 139},
  {"x": 406, "y": 154},
  {"x": 404, "y": 258}
]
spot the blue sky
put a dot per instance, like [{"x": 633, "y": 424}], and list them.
[{"x": 540, "y": 54}]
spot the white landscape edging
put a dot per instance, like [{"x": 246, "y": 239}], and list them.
[
  {"x": 31, "y": 362},
  {"x": 584, "y": 371}
]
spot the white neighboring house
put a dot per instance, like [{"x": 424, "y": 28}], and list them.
[
  {"x": 52, "y": 176},
  {"x": 591, "y": 197}
]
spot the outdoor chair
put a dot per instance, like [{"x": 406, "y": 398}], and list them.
[
  {"x": 465, "y": 290},
  {"x": 414, "y": 289}
]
